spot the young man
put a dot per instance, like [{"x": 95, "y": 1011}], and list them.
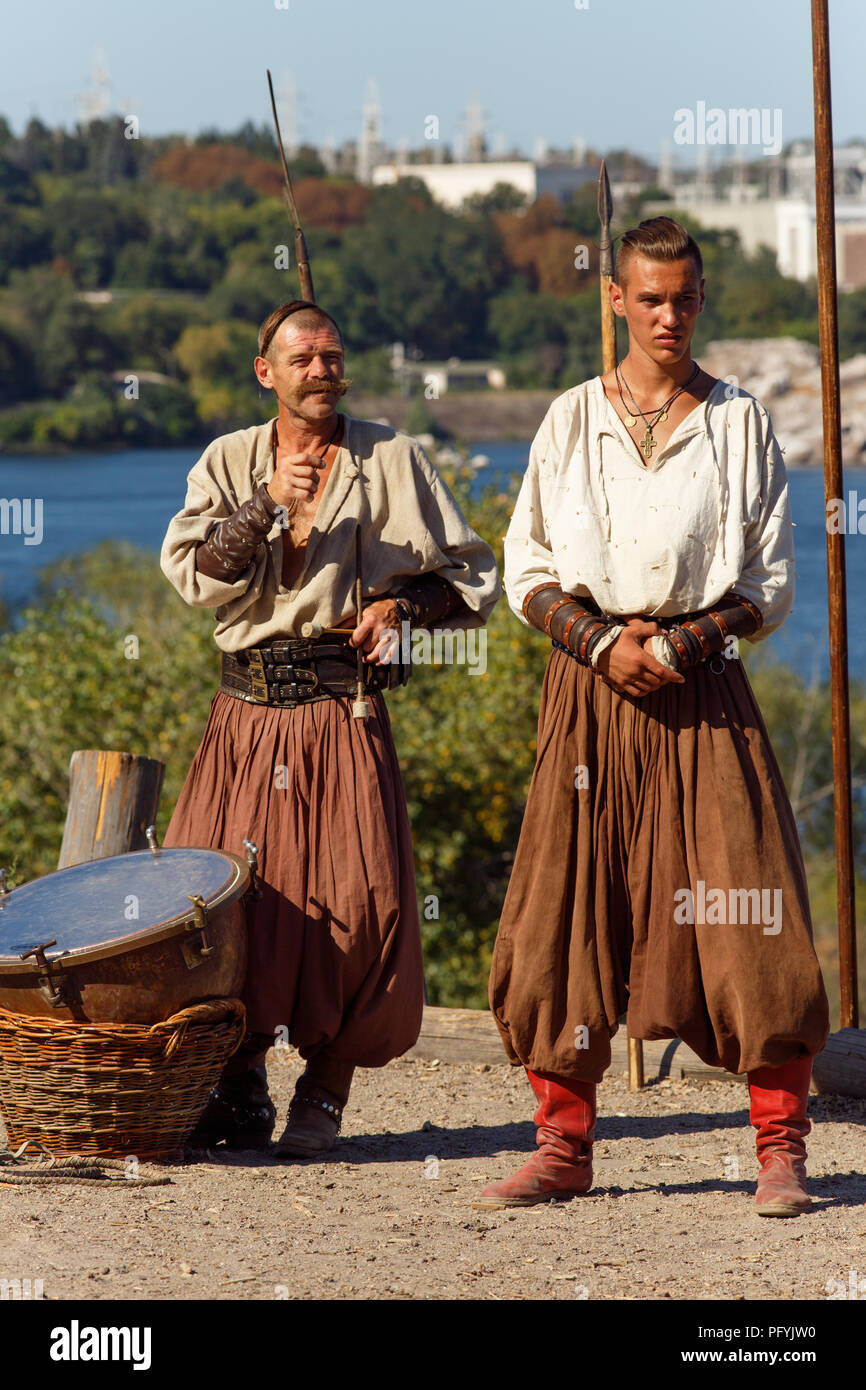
[
  {"x": 659, "y": 870},
  {"x": 267, "y": 538}
]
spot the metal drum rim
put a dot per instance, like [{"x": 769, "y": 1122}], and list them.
[{"x": 148, "y": 936}]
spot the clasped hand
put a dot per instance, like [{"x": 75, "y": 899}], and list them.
[{"x": 628, "y": 667}]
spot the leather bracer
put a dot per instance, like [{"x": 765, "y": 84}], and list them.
[
  {"x": 232, "y": 543},
  {"x": 565, "y": 619},
  {"x": 427, "y": 600},
  {"x": 694, "y": 639}
]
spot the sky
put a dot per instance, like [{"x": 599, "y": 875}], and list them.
[{"x": 609, "y": 72}]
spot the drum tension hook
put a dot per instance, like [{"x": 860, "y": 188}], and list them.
[
  {"x": 253, "y": 862},
  {"x": 51, "y": 987},
  {"x": 4, "y": 886},
  {"x": 192, "y": 956},
  {"x": 152, "y": 842}
]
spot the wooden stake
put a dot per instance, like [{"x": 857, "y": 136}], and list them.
[
  {"x": 635, "y": 1064},
  {"x": 836, "y": 588}
]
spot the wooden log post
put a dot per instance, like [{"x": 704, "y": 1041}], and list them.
[
  {"x": 113, "y": 798},
  {"x": 840, "y": 1070},
  {"x": 471, "y": 1036}
]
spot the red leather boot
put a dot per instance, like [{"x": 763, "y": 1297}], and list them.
[
  {"x": 562, "y": 1166},
  {"x": 779, "y": 1096}
]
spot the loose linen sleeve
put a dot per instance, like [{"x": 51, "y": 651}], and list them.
[
  {"x": 210, "y": 497},
  {"x": 767, "y": 577},
  {"x": 528, "y": 555},
  {"x": 452, "y": 549}
]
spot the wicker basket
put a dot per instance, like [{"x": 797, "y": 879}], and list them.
[{"x": 110, "y": 1088}]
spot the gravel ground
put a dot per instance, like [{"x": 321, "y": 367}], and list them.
[{"x": 387, "y": 1215}]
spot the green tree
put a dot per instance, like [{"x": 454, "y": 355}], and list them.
[
  {"x": 217, "y": 360},
  {"x": 146, "y": 327},
  {"x": 416, "y": 276}
]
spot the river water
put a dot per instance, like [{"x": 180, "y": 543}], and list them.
[{"x": 132, "y": 495}]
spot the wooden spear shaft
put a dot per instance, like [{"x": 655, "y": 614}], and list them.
[
  {"x": 836, "y": 588},
  {"x": 305, "y": 274},
  {"x": 608, "y": 362},
  {"x": 605, "y": 272}
]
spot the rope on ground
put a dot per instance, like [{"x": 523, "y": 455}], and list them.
[{"x": 44, "y": 1167}]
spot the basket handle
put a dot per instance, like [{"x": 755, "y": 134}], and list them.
[{"x": 210, "y": 1011}]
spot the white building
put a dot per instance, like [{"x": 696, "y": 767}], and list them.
[
  {"x": 451, "y": 184},
  {"x": 437, "y": 378},
  {"x": 785, "y": 220},
  {"x": 787, "y": 227}
]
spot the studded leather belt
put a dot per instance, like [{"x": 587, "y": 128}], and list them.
[{"x": 298, "y": 670}]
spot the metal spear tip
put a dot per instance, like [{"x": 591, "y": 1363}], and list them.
[{"x": 605, "y": 202}]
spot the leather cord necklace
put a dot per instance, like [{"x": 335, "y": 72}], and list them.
[
  {"x": 648, "y": 442},
  {"x": 293, "y": 505}
]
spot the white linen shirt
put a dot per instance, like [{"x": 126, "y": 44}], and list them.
[{"x": 708, "y": 514}]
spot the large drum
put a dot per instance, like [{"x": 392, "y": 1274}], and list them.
[{"x": 129, "y": 939}]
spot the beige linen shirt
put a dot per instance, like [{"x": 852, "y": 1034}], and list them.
[
  {"x": 410, "y": 525},
  {"x": 710, "y": 513}
]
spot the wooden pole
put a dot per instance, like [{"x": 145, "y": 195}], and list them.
[
  {"x": 605, "y": 272},
  {"x": 112, "y": 800},
  {"x": 305, "y": 274},
  {"x": 836, "y": 588},
  {"x": 608, "y": 363}
]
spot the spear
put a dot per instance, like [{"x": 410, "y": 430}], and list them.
[
  {"x": 608, "y": 363},
  {"x": 825, "y": 211},
  {"x": 605, "y": 272},
  {"x": 305, "y": 275}
]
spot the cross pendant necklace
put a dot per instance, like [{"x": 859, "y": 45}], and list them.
[{"x": 648, "y": 443}]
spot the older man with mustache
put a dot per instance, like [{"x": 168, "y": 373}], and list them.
[{"x": 267, "y": 538}]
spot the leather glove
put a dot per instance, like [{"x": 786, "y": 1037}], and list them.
[
  {"x": 232, "y": 543},
  {"x": 427, "y": 600}
]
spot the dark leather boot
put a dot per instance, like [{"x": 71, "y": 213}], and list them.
[
  {"x": 779, "y": 1096},
  {"x": 239, "y": 1110},
  {"x": 562, "y": 1165},
  {"x": 316, "y": 1111}
]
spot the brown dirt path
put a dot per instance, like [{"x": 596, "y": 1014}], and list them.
[{"x": 388, "y": 1215}]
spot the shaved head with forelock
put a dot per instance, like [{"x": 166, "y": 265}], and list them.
[{"x": 302, "y": 315}]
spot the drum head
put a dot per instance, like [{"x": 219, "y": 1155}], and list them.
[{"x": 107, "y": 901}]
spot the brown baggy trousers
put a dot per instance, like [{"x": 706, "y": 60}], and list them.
[
  {"x": 334, "y": 942},
  {"x": 634, "y": 805}
]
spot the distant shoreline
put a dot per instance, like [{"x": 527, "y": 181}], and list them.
[{"x": 494, "y": 416}]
